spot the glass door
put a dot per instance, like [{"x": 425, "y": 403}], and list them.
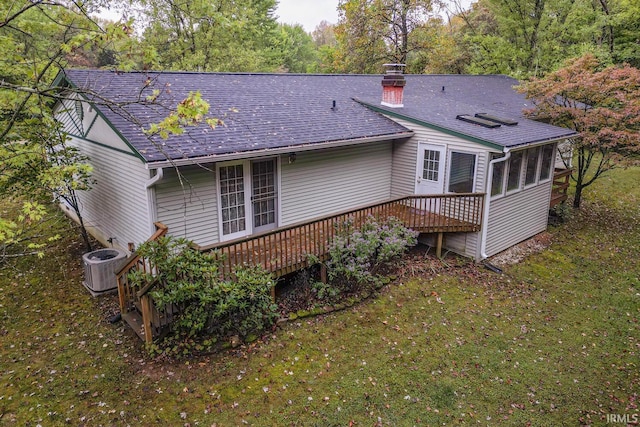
[
  {"x": 232, "y": 201},
  {"x": 264, "y": 195}
]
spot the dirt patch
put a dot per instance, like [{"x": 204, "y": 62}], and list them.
[{"x": 517, "y": 253}]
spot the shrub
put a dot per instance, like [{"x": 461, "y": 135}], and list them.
[
  {"x": 356, "y": 255},
  {"x": 209, "y": 308}
]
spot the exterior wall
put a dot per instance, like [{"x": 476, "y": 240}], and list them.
[
  {"x": 405, "y": 158},
  {"x": 117, "y": 206},
  {"x": 189, "y": 208},
  {"x": 517, "y": 217},
  {"x": 334, "y": 180}
]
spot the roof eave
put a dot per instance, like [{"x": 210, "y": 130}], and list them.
[
  {"x": 420, "y": 122},
  {"x": 487, "y": 143},
  {"x": 275, "y": 151}
]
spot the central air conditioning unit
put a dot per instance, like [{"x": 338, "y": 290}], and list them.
[{"x": 100, "y": 269}]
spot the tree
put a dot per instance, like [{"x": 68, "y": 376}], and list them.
[
  {"x": 533, "y": 37},
  {"x": 39, "y": 38},
  {"x": 372, "y": 32},
  {"x": 293, "y": 49},
  {"x": 200, "y": 35},
  {"x": 602, "y": 104}
]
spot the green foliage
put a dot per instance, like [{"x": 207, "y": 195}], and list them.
[
  {"x": 532, "y": 38},
  {"x": 356, "y": 255},
  {"x": 601, "y": 103},
  {"x": 210, "y": 309},
  {"x": 190, "y": 112},
  {"x": 372, "y": 32}
]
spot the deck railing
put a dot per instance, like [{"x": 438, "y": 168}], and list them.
[
  {"x": 136, "y": 305},
  {"x": 288, "y": 249},
  {"x": 560, "y": 186}
]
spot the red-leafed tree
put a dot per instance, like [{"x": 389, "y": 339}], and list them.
[{"x": 600, "y": 102}]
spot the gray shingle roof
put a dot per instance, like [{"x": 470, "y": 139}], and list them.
[{"x": 289, "y": 110}]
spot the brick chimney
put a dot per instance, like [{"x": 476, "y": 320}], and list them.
[{"x": 393, "y": 84}]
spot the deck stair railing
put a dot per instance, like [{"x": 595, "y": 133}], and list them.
[
  {"x": 291, "y": 248},
  {"x": 136, "y": 305},
  {"x": 560, "y": 186}
]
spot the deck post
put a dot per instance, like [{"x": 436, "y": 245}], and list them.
[
  {"x": 145, "y": 301},
  {"x": 323, "y": 273},
  {"x": 439, "y": 244}
]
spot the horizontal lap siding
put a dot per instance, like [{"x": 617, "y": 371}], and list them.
[
  {"x": 405, "y": 155},
  {"x": 117, "y": 203},
  {"x": 116, "y": 206},
  {"x": 405, "y": 158},
  {"x": 517, "y": 217},
  {"x": 329, "y": 181},
  {"x": 190, "y": 208}
]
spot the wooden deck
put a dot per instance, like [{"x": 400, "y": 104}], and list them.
[{"x": 287, "y": 249}]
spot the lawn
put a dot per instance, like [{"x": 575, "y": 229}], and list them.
[{"x": 555, "y": 340}]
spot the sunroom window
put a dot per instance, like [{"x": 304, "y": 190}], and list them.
[
  {"x": 548, "y": 152},
  {"x": 497, "y": 179},
  {"x": 461, "y": 177},
  {"x": 531, "y": 175},
  {"x": 515, "y": 167}
]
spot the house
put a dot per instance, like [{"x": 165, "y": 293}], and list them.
[{"x": 295, "y": 148}]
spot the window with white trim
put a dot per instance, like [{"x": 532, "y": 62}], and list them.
[
  {"x": 497, "y": 179},
  {"x": 515, "y": 171},
  {"x": 531, "y": 170},
  {"x": 548, "y": 156},
  {"x": 462, "y": 168}
]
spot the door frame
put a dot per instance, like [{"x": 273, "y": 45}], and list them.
[
  {"x": 248, "y": 192},
  {"x": 442, "y": 166}
]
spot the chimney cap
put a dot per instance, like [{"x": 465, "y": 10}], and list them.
[{"x": 394, "y": 68}]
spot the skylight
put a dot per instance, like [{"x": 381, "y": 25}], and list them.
[
  {"x": 506, "y": 122},
  {"x": 477, "y": 121}
]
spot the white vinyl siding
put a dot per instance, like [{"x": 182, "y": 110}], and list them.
[
  {"x": 117, "y": 205},
  {"x": 329, "y": 181},
  {"x": 517, "y": 217},
  {"x": 189, "y": 208},
  {"x": 405, "y": 154}
]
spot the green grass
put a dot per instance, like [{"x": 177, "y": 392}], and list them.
[{"x": 555, "y": 340}]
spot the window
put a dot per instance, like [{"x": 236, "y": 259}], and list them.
[
  {"x": 497, "y": 180},
  {"x": 547, "y": 161},
  {"x": 232, "y": 199},
  {"x": 264, "y": 192},
  {"x": 531, "y": 174},
  {"x": 431, "y": 165},
  {"x": 462, "y": 171},
  {"x": 515, "y": 167}
]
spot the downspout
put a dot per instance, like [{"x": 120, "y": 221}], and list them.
[
  {"x": 151, "y": 199},
  {"x": 487, "y": 203}
]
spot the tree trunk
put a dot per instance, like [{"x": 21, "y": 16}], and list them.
[{"x": 577, "y": 199}]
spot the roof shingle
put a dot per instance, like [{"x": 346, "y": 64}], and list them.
[{"x": 267, "y": 111}]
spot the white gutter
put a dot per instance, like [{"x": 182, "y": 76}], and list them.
[
  {"x": 151, "y": 196},
  {"x": 272, "y": 151},
  {"x": 155, "y": 179},
  {"x": 487, "y": 202}
]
